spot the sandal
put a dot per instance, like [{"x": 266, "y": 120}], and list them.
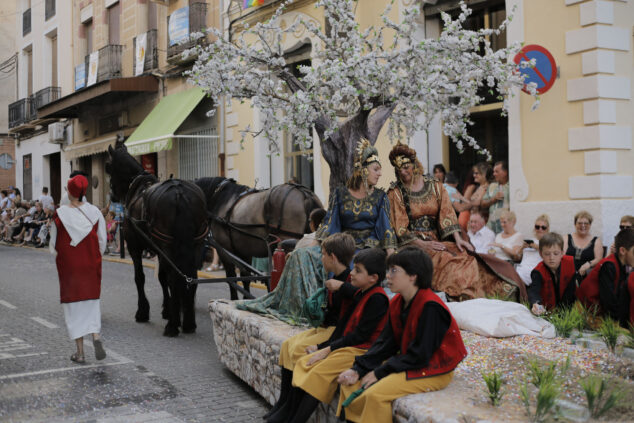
[
  {"x": 79, "y": 359},
  {"x": 100, "y": 353}
]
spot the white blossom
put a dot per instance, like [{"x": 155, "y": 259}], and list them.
[{"x": 356, "y": 70}]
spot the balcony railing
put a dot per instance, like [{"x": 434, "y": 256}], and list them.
[
  {"x": 47, "y": 95},
  {"x": 197, "y": 23},
  {"x": 32, "y": 108},
  {"x": 151, "y": 52},
  {"x": 20, "y": 112},
  {"x": 49, "y": 9},
  {"x": 108, "y": 66},
  {"x": 26, "y": 22}
]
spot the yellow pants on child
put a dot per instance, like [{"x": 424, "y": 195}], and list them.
[
  {"x": 294, "y": 347},
  {"x": 320, "y": 379},
  {"x": 375, "y": 403}
]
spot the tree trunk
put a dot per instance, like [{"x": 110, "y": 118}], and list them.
[{"x": 339, "y": 150}]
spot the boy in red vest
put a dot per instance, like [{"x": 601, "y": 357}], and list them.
[
  {"x": 362, "y": 320},
  {"x": 337, "y": 251},
  {"x": 554, "y": 280},
  {"x": 606, "y": 287},
  {"x": 417, "y": 351}
]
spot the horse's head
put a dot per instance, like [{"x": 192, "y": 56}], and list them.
[{"x": 122, "y": 168}]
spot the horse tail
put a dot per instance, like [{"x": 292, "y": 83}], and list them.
[{"x": 184, "y": 229}]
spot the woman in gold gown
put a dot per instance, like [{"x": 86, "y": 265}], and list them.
[{"x": 421, "y": 214}]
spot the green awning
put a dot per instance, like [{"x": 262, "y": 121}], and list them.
[{"x": 156, "y": 131}]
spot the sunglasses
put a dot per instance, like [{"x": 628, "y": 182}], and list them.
[
  {"x": 543, "y": 228},
  {"x": 621, "y": 227}
]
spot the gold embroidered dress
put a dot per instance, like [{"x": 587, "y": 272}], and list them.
[{"x": 431, "y": 217}]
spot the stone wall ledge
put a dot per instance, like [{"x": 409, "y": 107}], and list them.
[{"x": 248, "y": 344}]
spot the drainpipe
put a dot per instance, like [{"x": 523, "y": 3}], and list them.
[{"x": 221, "y": 107}]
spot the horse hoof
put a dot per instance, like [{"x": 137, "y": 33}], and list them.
[
  {"x": 189, "y": 329},
  {"x": 142, "y": 317},
  {"x": 170, "y": 332}
]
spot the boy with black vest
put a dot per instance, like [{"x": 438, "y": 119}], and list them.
[
  {"x": 362, "y": 320},
  {"x": 554, "y": 279},
  {"x": 337, "y": 251},
  {"x": 418, "y": 350},
  {"x": 608, "y": 286}
]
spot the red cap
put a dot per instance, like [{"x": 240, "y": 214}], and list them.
[{"x": 77, "y": 186}]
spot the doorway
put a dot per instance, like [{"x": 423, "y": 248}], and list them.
[
  {"x": 27, "y": 181},
  {"x": 55, "y": 177}
]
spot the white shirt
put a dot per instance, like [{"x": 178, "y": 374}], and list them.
[
  {"x": 530, "y": 259},
  {"x": 509, "y": 242},
  {"x": 47, "y": 201},
  {"x": 79, "y": 225},
  {"x": 482, "y": 239}
]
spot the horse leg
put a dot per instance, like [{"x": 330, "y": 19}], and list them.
[
  {"x": 230, "y": 272},
  {"x": 189, "y": 307},
  {"x": 246, "y": 285},
  {"x": 174, "y": 321},
  {"x": 163, "y": 275},
  {"x": 143, "y": 306}
]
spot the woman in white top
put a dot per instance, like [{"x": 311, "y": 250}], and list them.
[
  {"x": 530, "y": 250},
  {"x": 508, "y": 243}
]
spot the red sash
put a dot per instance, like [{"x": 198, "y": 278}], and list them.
[
  {"x": 588, "y": 291},
  {"x": 566, "y": 273},
  {"x": 79, "y": 267},
  {"x": 356, "y": 315},
  {"x": 451, "y": 351}
]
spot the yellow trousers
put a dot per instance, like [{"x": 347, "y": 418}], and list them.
[
  {"x": 375, "y": 403},
  {"x": 294, "y": 347},
  {"x": 320, "y": 379}
]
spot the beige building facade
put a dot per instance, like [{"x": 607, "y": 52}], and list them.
[{"x": 573, "y": 152}]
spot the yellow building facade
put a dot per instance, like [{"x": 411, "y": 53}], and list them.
[{"x": 574, "y": 152}]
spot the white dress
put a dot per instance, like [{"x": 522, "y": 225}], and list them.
[{"x": 530, "y": 259}]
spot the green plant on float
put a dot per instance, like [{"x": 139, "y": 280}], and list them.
[
  {"x": 609, "y": 332},
  {"x": 494, "y": 382},
  {"x": 630, "y": 336},
  {"x": 597, "y": 396},
  {"x": 565, "y": 319}
]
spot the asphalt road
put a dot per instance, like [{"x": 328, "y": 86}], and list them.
[{"x": 146, "y": 376}]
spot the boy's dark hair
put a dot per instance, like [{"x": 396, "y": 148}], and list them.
[
  {"x": 550, "y": 239},
  {"x": 5, "y": 192},
  {"x": 341, "y": 245},
  {"x": 415, "y": 262},
  {"x": 316, "y": 216},
  {"x": 373, "y": 259},
  {"x": 625, "y": 239},
  {"x": 451, "y": 178},
  {"x": 45, "y": 190}
]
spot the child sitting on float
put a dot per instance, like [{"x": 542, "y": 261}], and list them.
[
  {"x": 337, "y": 251},
  {"x": 361, "y": 322},
  {"x": 554, "y": 280},
  {"x": 418, "y": 350}
]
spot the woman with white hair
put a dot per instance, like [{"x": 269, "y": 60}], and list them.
[{"x": 508, "y": 243}]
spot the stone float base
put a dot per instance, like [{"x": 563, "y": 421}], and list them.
[{"x": 249, "y": 344}]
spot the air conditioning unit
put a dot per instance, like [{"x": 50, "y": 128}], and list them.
[{"x": 56, "y": 133}]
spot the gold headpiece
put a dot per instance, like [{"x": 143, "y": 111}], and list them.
[
  {"x": 399, "y": 161},
  {"x": 366, "y": 154}
]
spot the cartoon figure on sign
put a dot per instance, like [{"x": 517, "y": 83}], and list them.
[{"x": 543, "y": 73}]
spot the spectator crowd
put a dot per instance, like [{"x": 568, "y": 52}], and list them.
[{"x": 28, "y": 221}]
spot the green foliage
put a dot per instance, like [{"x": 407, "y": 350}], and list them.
[
  {"x": 609, "y": 331},
  {"x": 545, "y": 399},
  {"x": 547, "y": 382},
  {"x": 494, "y": 383},
  {"x": 630, "y": 336},
  {"x": 590, "y": 316},
  {"x": 599, "y": 401},
  {"x": 565, "y": 319}
]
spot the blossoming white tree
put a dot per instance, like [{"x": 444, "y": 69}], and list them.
[{"x": 358, "y": 81}]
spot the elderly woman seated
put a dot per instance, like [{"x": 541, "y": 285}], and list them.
[{"x": 508, "y": 243}]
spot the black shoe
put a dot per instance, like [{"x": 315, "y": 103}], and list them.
[{"x": 287, "y": 378}]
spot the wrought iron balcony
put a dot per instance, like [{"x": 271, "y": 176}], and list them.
[
  {"x": 47, "y": 95},
  {"x": 151, "y": 52},
  {"x": 109, "y": 63},
  {"x": 49, "y": 9},
  {"x": 26, "y": 22},
  {"x": 20, "y": 112},
  {"x": 197, "y": 23}
]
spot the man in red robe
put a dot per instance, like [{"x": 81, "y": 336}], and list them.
[{"x": 78, "y": 238}]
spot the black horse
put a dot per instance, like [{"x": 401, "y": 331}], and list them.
[
  {"x": 242, "y": 219},
  {"x": 173, "y": 215}
]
